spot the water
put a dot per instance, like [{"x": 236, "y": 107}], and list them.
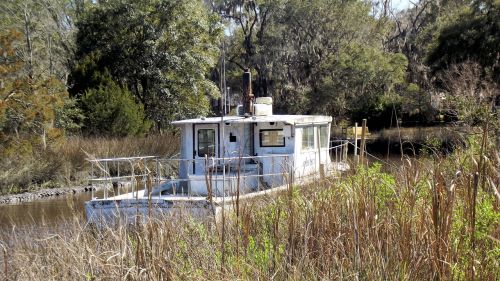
[{"x": 44, "y": 212}]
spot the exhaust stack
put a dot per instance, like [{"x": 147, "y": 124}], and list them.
[{"x": 248, "y": 96}]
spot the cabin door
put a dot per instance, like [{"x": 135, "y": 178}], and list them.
[{"x": 206, "y": 144}]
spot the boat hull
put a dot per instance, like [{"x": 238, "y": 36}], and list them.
[{"x": 134, "y": 210}]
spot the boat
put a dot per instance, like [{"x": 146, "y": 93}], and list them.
[{"x": 222, "y": 160}]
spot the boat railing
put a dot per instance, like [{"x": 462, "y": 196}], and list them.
[
  {"x": 338, "y": 150},
  {"x": 136, "y": 173},
  {"x": 109, "y": 173}
]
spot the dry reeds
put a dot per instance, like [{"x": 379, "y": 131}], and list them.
[
  {"x": 65, "y": 163},
  {"x": 414, "y": 224}
]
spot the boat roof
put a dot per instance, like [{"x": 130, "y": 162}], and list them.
[{"x": 288, "y": 119}]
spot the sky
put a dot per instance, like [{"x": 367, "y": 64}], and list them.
[{"x": 401, "y": 4}]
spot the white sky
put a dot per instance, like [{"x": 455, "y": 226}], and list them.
[{"x": 401, "y": 4}]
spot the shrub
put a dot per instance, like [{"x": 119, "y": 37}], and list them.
[{"x": 111, "y": 110}]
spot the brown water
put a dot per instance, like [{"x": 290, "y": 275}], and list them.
[{"x": 44, "y": 212}]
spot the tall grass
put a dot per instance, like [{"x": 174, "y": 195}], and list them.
[
  {"x": 64, "y": 163},
  {"x": 431, "y": 219}
]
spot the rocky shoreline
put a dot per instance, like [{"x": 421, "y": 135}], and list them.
[{"x": 42, "y": 194}]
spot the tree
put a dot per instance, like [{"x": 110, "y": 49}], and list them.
[
  {"x": 471, "y": 95},
  {"x": 161, "y": 50},
  {"x": 29, "y": 106},
  {"x": 413, "y": 33},
  {"x": 360, "y": 82},
  {"x": 48, "y": 29},
  {"x": 318, "y": 56},
  {"x": 250, "y": 21},
  {"x": 475, "y": 36},
  {"x": 111, "y": 110}
]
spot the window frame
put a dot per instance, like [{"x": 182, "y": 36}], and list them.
[
  {"x": 309, "y": 141},
  {"x": 268, "y": 130},
  {"x": 213, "y": 153},
  {"x": 326, "y": 144}
]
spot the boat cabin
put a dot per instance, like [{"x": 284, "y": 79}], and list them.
[{"x": 251, "y": 152}]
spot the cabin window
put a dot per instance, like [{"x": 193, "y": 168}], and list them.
[
  {"x": 272, "y": 138},
  {"x": 323, "y": 136},
  {"x": 206, "y": 142},
  {"x": 308, "y": 138}
]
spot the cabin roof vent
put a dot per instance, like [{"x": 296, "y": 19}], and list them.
[
  {"x": 263, "y": 106},
  {"x": 264, "y": 100}
]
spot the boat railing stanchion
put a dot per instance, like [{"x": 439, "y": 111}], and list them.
[
  {"x": 92, "y": 179},
  {"x": 336, "y": 155},
  {"x": 174, "y": 188},
  {"x": 106, "y": 172},
  {"x": 346, "y": 147},
  {"x": 158, "y": 176},
  {"x": 157, "y": 180},
  {"x": 118, "y": 176},
  {"x": 144, "y": 177},
  {"x": 132, "y": 182},
  {"x": 341, "y": 151},
  {"x": 356, "y": 142}
]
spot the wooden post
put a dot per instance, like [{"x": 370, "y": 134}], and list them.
[{"x": 363, "y": 141}]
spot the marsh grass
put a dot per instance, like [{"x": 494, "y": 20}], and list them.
[
  {"x": 65, "y": 162},
  {"x": 433, "y": 219}
]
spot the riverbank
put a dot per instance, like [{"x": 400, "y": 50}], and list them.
[
  {"x": 64, "y": 163},
  {"x": 43, "y": 194}
]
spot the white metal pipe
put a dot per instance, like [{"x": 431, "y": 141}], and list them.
[{"x": 356, "y": 138}]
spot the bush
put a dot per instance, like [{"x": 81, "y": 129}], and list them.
[{"x": 111, "y": 110}]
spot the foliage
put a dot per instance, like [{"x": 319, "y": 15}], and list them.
[
  {"x": 29, "y": 106},
  {"x": 417, "y": 104},
  {"x": 474, "y": 36},
  {"x": 313, "y": 57},
  {"x": 160, "y": 50},
  {"x": 414, "y": 33},
  {"x": 111, "y": 110},
  {"x": 47, "y": 28},
  {"x": 362, "y": 78},
  {"x": 471, "y": 94},
  {"x": 35, "y": 111}
]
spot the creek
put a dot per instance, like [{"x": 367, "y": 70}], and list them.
[{"x": 43, "y": 212}]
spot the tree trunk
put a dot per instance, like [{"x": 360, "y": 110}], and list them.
[{"x": 27, "y": 33}]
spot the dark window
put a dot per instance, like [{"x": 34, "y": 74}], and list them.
[
  {"x": 206, "y": 142},
  {"x": 272, "y": 138}
]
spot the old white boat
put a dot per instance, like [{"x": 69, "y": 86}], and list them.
[{"x": 222, "y": 159}]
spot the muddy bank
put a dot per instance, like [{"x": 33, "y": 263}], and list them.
[{"x": 43, "y": 194}]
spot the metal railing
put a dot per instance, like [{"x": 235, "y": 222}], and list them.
[{"x": 220, "y": 176}]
